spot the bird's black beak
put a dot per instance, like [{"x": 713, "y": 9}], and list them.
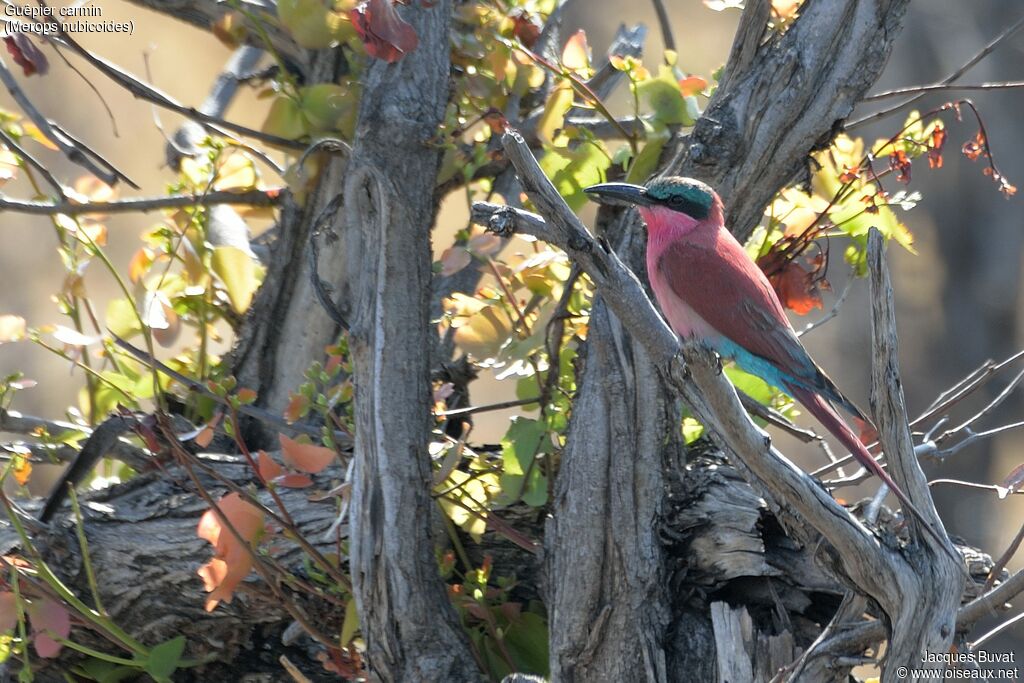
[{"x": 619, "y": 193}]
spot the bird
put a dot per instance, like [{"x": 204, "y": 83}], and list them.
[{"x": 709, "y": 288}]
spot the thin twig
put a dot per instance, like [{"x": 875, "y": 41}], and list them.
[
  {"x": 969, "y": 64},
  {"x": 913, "y": 89},
  {"x": 1004, "y": 559},
  {"x": 270, "y": 197},
  {"x": 13, "y": 145},
  {"x": 248, "y": 410},
  {"x": 833, "y": 312},
  {"x": 664, "y": 24},
  {"x": 489, "y": 407}
]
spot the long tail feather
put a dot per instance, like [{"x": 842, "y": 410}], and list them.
[{"x": 828, "y": 417}]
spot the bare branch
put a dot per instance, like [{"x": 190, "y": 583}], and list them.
[
  {"x": 27, "y": 156},
  {"x": 887, "y": 393},
  {"x": 936, "y": 87},
  {"x": 270, "y": 197}
]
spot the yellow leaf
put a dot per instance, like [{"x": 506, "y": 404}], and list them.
[
  {"x": 32, "y": 130},
  {"x": 484, "y": 332},
  {"x": 553, "y": 117},
  {"x": 576, "y": 53},
  {"x": 121, "y": 318},
  {"x": 238, "y": 172},
  {"x": 239, "y": 274},
  {"x": 350, "y": 623},
  {"x": 12, "y": 328}
]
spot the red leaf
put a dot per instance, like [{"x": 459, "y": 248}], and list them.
[
  {"x": 293, "y": 480},
  {"x": 48, "y": 617},
  {"x": 799, "y": 284},
  {"x": 267, "y": 467},
  {"x": 26, "y": 55},
  {"x": 899, "y": 162},
  {"x": 973, "y": 149},
  {"x": 935, "y": 147},
  {"x": 385, "y": 34},
  {"x": 526, "y": 27}
]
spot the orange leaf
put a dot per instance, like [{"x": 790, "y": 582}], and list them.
[
  {"x": 22, "y": 470},
  {"x": 293, "y": 480},
  {"x": 232, "y": 560},
  {"x": 297, "y": 407},
  {"x": 692, "y": 85},
  {"x": 305, "y": 456},
  {"x": 267, "y": 467}
]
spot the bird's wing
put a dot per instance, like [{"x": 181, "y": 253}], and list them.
[{"x": 719, "y": 281}]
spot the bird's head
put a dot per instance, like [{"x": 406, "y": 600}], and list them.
[{"x": 663, "y": 199}]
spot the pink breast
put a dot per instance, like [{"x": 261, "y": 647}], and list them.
[{"x": 663, "y": 229}]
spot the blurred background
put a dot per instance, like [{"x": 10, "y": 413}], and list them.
[{"x": 958, "y": 300}]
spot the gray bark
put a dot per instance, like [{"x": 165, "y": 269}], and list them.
[{"x": 410, "y": 626}]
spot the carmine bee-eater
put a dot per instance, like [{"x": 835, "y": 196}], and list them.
[{"x": 709, "y": 288}]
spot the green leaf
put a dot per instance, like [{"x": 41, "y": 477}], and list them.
[
  {"x": 121, "y": 318},
  {"x": 518, "y": 450},
  {"x": 536, "y": 490},
  {"x": 165, "y": 658},
  {"x": 570, "y": 170},
  {"x": 521, "y": 443},
  {"x": 752, "y": 385},
  {"x": 239, "y": 273},
  {"x": 666, "y": 100},
  {"x": 527, "y": 642},
  {"x": 312, "y": 25},
  {"x": 646, "y": 161},
  {"x": 285, "y": 119},
  {"x": 692, "y": 430},
  {"x": 330, "y": 107}
]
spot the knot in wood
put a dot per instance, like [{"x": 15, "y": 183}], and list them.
[{"x": 502, "y": 222}]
